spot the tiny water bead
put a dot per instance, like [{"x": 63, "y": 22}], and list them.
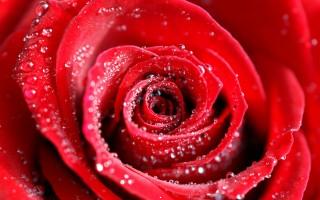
[
  {"x": 31, "y": 79},
  {"x": 30, "y": 93},
  {"x": 136, "y": 13},
  {"x": 27, "y": 66},
  {"x": 109, "y": 10},
  {"x": 43, "y": 49},
  {"x": 239, "y": 197},
  {"x": 47, "y": 32},
  {"x": 121, "y": 28},
  {"x": 217, "y": 158},
  {"x": 201, "y": 170},
  {"x": 99, "y": 167}
]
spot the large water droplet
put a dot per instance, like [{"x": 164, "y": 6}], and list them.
[{"x": 42, "y": 8}]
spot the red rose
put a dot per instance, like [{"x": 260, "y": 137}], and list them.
[{"x": 155, "y": 100}]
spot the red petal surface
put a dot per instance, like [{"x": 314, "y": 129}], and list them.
[
  {"x": 18, "y": 139},
  {"x": 285, "y": 97},
  {"x": 288, "y": 35},
  {"x": 312, "y": 10},
  {"x": 288, "y": 180},
  {"x": 37, "y": 63},
  {"x": 60, "y": 177},
  {"x": 11, "y": 12}
]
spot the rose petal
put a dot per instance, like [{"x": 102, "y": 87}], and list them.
[
  {"x": 312, "y": 10},
  {"x": 10, "y": 19},
  {"x": 290, "y": 35},
  {"x": 18, "y": 137},
  {"x": 60, "y": 177},
  {"x": 79, "y": 55},
  {"x": 121, "y": 23},
  {"x": 285, "y": 96},
  {"x": 37, "y": 61},
  {"x": 289, "y": 179}
]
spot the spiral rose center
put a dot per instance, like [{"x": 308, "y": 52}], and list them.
[{"x": 165, "y": 111}]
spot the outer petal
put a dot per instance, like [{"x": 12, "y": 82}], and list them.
[
  {"x": 286, "y": 102},
  {"x": 36, "y": 72},
  {"x": 18, "y": 136},
  {"x": 287, "y": 96},
  {"x": 288, "y": 36},
  {"x": 312, "y": 9},
  {"x": 64, "y": 183},
  {"x": 10, "y": 13},
  {"x": 289, "y": 179}
]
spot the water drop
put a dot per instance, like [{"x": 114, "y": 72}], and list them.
[
  {"x": 31, "y": 79},
  {"x": 43, "y": 49},
  {"x": 164, "y": 23},
  {"x": 236, "y": 134},
  {"x": 172, "y": 155},
  {"x": 122, "y": 27},
  {"x": 216, "y": 196},
  {"x": 283, "y": 157},
  {"x": 35, "y": 21},
  {"x": 217, "y": 158},
  {"x": 99, "y": 167},
  {"x": 67, "y": 65},
  {"x": 107, "y": 163},
  {"x": 136, "y": 13},
  {"x": 239, "y": 196},
  {"x": 202, "y": 70},
  {"x": 27, "y": 66},
  {"x": 30, "y": 93},
  {"x": 200, "y": 170},
  {"x": 46, "y": 32},
  {"x": 90, "y": 126},
  {"x": 42, "y": 8},
  {"x": 285, "y": 17},
  {"x": 314, "y": 42},
  {"x": 229, "y": 175},
  {"x": 182, "y": 46}
]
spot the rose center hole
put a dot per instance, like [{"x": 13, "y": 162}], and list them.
[{"x": 163, "y": 103}]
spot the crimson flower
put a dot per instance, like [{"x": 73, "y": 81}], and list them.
[{"x": 153, "y": 99}]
